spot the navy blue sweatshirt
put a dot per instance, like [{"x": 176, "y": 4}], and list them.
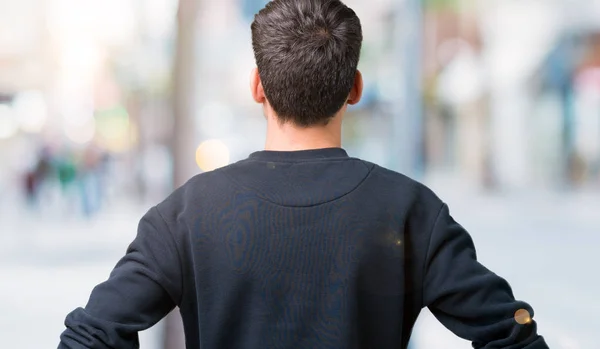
[{"x": 309, "y": 249}]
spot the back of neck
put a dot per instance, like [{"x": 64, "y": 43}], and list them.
[{"x": 289, "y": 137}]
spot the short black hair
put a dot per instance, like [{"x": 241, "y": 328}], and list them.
[{"x": 307, "y": 53}]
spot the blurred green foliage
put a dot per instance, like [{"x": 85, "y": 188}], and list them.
[{"x": 442, "y": 4}]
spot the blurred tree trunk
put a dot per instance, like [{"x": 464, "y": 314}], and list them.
[
  {"x": 183, "y": 147},
  {"x": 184, "y": 90},
  {"x": 408, "y": 152}
]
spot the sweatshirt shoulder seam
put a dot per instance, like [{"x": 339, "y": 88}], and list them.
[{"x": 369, "y": 169}]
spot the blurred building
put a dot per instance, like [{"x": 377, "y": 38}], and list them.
[{"x": 489, "y": 69}]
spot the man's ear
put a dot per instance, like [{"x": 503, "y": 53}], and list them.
[
  {"x": 357, "y": 89},
  {"x": 256, "y": 88}
]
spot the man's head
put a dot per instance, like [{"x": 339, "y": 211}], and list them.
[{"x": 307, "y": 54}]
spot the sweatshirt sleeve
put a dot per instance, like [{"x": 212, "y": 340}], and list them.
[
  {"x": 144, "y": 287},
  {"x": 469, "y": 299}
]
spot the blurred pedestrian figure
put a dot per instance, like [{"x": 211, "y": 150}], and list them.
[
  {"x": 67, "y": 174},
  {"x": 35, "y": 180},
  {"x": 43, "y": 169},
  {"x": 30, "y": 185},
  {"x": 90, "y": 182}
]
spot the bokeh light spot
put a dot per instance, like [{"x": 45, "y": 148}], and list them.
[
  {"x": 31, "y": 110},
  {"x": 522, "y": 317},
  {"x": 81, "y": 134},
  {"x": 115, "y": 130},
  {"x": 8, "y": 124},
  {"x": 211, "y": 155}
]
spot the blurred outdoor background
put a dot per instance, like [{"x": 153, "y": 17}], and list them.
[{"x": 105, "y": 106}]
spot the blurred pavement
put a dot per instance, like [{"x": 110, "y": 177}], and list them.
[{"x": 48, "y": 268}]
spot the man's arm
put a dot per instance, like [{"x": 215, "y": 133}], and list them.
[
  {"x": 143, "y": 288},
  {"x": 470, "y": 300}
]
